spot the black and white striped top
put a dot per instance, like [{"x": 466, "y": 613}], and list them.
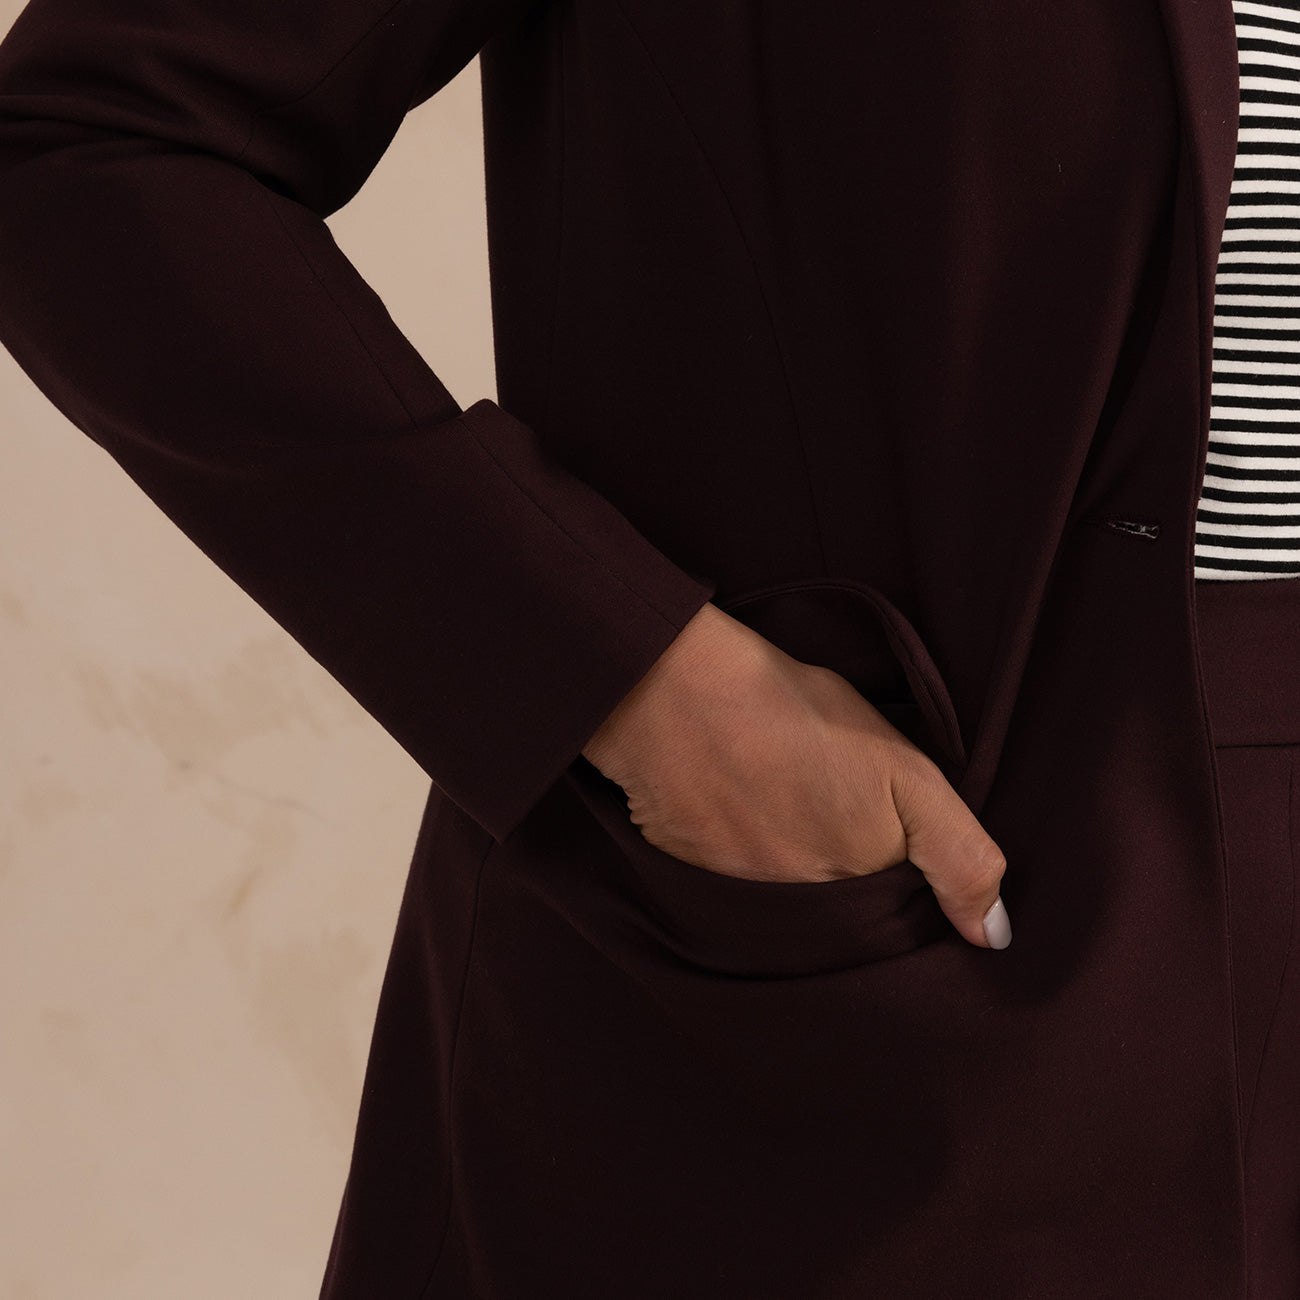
[{"x": 1248, "y": 520}]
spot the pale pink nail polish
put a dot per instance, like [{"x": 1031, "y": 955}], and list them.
[{"x": 997, "y": 925}]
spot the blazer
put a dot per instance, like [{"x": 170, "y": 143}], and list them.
[{"x": 887, "y": 328}]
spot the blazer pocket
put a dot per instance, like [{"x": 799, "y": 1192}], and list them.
[{"x": 767, "y": 928}]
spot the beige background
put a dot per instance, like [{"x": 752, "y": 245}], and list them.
[{"x": 203, "y": 838}]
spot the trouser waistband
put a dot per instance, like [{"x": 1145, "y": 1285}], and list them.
[{"x": 1249, "y": 636}]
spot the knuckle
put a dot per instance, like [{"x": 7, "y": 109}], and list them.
[
  {"x": 978, "y": 876},
  {"x": 911, "y": 772},
  {"x": 984, "y": 875}
]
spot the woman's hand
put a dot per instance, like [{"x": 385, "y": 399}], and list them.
[{"x": 741, "y": 760}]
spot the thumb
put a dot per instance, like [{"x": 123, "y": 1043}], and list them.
[{"x": 955, "y": 853}]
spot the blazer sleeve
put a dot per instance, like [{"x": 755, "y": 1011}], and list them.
[{"x": 168, "y": 281}]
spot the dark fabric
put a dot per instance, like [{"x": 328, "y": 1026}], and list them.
[
  {"x": 1249, "y": 633},
  {"x": 886, "y": 327}
]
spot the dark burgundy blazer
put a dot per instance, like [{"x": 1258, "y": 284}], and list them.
[{"x": 887, "y": 327}]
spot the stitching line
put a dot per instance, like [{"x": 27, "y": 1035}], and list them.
[
  {"x": 1290, "y": 936},
  {"x": 464, "y": 419},
  {"x": 260, "y": 113},
  {"x": 758, "y": 280},
  {"x": 324, "y": 288},
  {"x": 466, "y": 422},
  {"x": 451, "y": 1077}
]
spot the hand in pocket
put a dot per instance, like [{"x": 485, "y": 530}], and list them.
[{"x": 742, "y": 760}]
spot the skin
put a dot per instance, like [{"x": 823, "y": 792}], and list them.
[{"x": 742, "y": 760}]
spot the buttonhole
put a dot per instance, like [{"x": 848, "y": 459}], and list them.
[{"x": 1136, "y": 527}]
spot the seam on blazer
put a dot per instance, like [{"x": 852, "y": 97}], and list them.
[
  {"x": 758, "y": 279},
  {"x": 1207, "y": 732},
  {"x": 1286, "y": 959},
  {"x": 257, "y": 114},
  {"x": 464, "y": 419},
  {"x": 451, "y": 1077},
  {"x": 351, "y": 324},
  {"x": 466, "y": 422}
]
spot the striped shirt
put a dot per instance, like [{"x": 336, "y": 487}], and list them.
[{"x": 1248, "y": 518}]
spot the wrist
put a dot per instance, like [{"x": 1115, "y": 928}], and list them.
[{"x": 710, "y": 651}]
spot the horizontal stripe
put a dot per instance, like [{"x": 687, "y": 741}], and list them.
[
  {"x": 1271, "y": 63},
  {"x": 1270, "y": 532},
  {"x": 1261, "y": 42},
  {"x": 1276, "y": 246},
  {"x": 1247, "y": 262},
  {"x": 1275, "y": 81},
  {"x": 1244, "y": 493},
  {"x": 1257, "y": 8},
  {"x": 1263, "y": 373},
  {"x": 1269, "y": 519},
  {"x": 1255, "y": 473},
  {"x": 1259, "y": 102},
  {"x": 1266, "y": 47},
  {"x": 1263, "y": 250},
  {"x": 1279, "y": 213},
  {"x": 1252, "y": 95},
  {"x": 1273, "y": 181},
  {"x": 1257, "y": 397},
  {"x": 1230, "y": 418},
  {"x": 1241, "y": 332},
  {"x": 1242, "y": 312},
  {"x": 1280, "y": 227},
  {"x": 1236, "y": 275},
  {"x": 1271, "y": 122},
  {"x": 1209, "y": 568}
]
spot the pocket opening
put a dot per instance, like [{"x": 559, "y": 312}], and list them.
[
  {"x": 855, "y": 630},
  {"x": 782, "y": 929}
]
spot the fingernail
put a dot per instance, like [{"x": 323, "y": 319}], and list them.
[{"x": 997, "y": 925}]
